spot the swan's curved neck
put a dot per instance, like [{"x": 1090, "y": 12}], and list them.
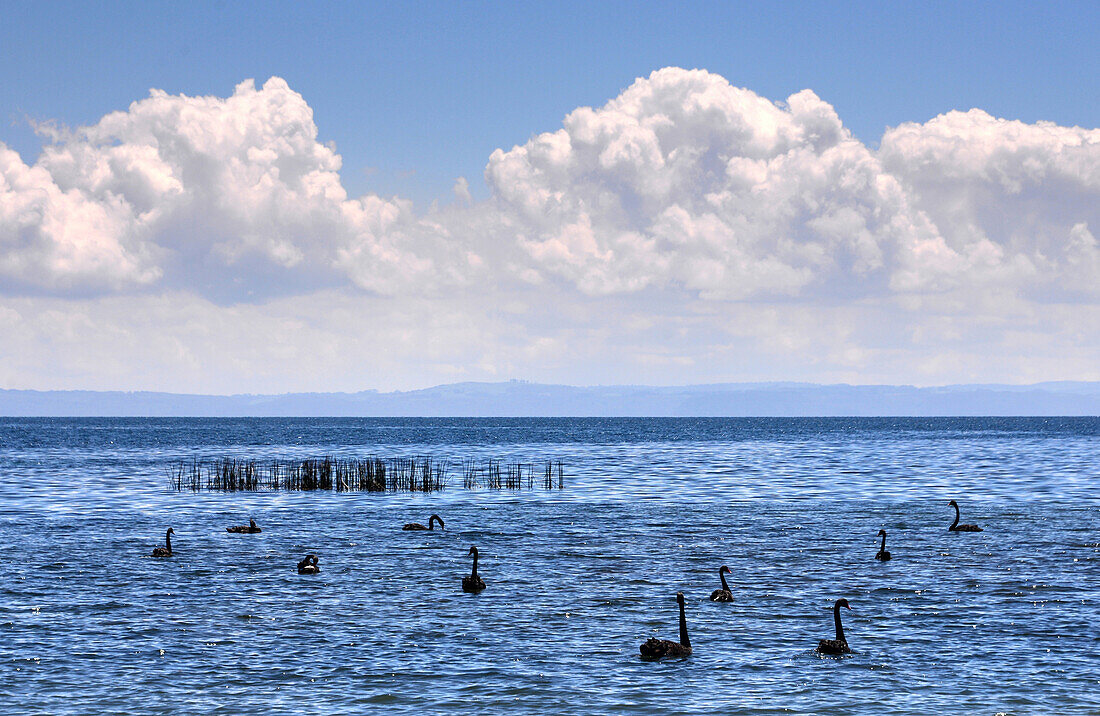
[
  {"x": 168, "y": 541},
  {"x": 684, "y": 641},
  {"x": 474, "y": 573},
  {"x": 432, "y": 521},
  {"x": 956, "y": 522},
  {"x": 722, "y": 576},
  {"x": 883, "y": 549},
  {"x": 839, "y": 628}
]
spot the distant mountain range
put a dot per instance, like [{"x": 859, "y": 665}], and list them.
[{"x": 520, "y": 398}]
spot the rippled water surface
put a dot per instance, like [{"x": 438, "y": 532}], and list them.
[{"x": 1003, "y": 620}]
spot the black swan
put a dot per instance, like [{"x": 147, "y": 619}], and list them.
[
  {"x": 724, "y": 594},
  {"x": 166, "y": 550},
  {"x": 956, "y": 527},
  {"x": 471, "y": 582},
  {"x": 840, "y": 644},
  {"x": 654, "y": 648},
  {"x": 309, "y": 565},
  {"x": 882, "y": 555},
  {"x": 418, "y": 526},
  {"x": 249, "y": 529}
]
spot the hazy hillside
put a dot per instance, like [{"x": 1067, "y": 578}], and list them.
[{"x": 517, "y": 398}]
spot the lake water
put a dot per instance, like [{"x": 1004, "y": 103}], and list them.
[{"x": 999, "y": 621}]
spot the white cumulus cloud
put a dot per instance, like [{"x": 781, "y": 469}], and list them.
[
  {"x": 687, "y": 230},
  {"x": 686, "y": 180},
  {"x": 235, "y": 197},
  {"x": 1016, "y": 200},
  {"x": 63, "y": 239},
  {"x": 683, "y": 181}
]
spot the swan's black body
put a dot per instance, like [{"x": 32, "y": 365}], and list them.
[
  {"x": 654, "y": 648},
  {"x": 166, "y": 550},
  {"x": 840, "y": 644},
  {"x": 724, "y": 594},
  {"x": 956, "y": 527},
  {"x": 249, "y": 529},
  {"x": 471, "y": 582},
  {"x": 418, "y": 526},
  {"x": 882, "y": 555},
  {"x": 309, "y": 565}
]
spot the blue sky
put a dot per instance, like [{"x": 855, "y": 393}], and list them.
[
  {"x": 272, "y": 197},
  {"x": 416, "y": 94}
]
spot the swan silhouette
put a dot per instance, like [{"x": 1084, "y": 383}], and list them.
[
  {"x": 166, "y": 550},
  {"x": 309, "y": 565},
  {"x": 840, "y": 644},
  {"x": 471, "y": 582},
  {"x": 418, "y": 526},
  {"x": 882, "y": 555},
  {"x": 249, "y": 529},
  {"x": 655, "y": 648},
  {"x": 956, "y": 527},
  {"x": 724, "y": 594}
]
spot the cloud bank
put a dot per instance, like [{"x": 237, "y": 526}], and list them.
[
  {"x": 235, "y": 197},
  {"x": 687, "y": 222}
]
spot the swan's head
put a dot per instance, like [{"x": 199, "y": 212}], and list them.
[
  {"x": 252, "y": 523},
  {"x": 472, "y": 552},
  {"x": 171, "y": 531},
  {"x": 843, "y": 603},
  {"x": 680, "y": 598},
  {"x": 725, "y": 569},
  {"x": 953, "y": 503},
  {"x": 882, "y": 533},
  {"x": 315, "y": 560}
]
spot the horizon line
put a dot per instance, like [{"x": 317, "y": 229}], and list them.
[{"x": 518, "y": 381}]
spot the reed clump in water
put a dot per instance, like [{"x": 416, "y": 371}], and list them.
[
  {"x": 494, "y": 475},
  {"x": 371, "y": 474},
  {"x": 548, "y": 479}
]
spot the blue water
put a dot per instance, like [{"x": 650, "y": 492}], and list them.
[{"x": 999, "y": 621}]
